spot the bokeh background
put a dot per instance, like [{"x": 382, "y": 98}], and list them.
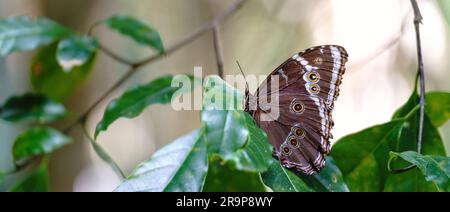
[{"x": 378, "y": 35}]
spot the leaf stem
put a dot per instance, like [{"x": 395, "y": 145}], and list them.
[
  {"x": 102, "y": 153},
  {"x": 417, "y": 21}
]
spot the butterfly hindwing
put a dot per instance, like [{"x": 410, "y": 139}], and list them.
[{"x": 308, "y": 86}]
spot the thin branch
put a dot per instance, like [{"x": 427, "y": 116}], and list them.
[
  {"x": 197, "y": 33},
  {"x": 114, "y": 56},
  {"x": 417, "y": 21},
  {"x": 106, "y": 50},
  {"x": 102, "y": 153},
  {"x": 85, "y": 115},
  {"x": 135, "y": 67},
  {"x": 218, "y": 50}
]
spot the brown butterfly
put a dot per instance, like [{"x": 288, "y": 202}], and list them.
[{"x": 308, "y": 85}]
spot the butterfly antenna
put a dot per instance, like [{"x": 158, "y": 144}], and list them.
[{"x": 242, "y": 72}]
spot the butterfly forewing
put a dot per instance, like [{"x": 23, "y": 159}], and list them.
[{"x": 308, "y": 86}]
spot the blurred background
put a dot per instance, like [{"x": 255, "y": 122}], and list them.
[{"x": 378, "y": 34}]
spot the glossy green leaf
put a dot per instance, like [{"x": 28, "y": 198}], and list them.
[
  {"x": 436, "y": 169},
  {"x": 224, "y": 178},
  {"x": 407, "y": 141},
  {"x": 280, "y": 179},
  {"x": 329, "y": 179},
  {"x": 432, "y": 145},
  {"x": 438, "y": 107},
  {"x": 23, "y": 33},
  {"x": 49, "y": 78},
  {"x": 232, "y": 134},
  {"x": 38, "y": 141},
  {"x": 32, "y": 108},
  {"x": 137, "y": 30},
  {"x": 36, "y": 181},
  {"x": 134, "y": 101},
  {"x": 225, "y": 131},
  {"x": 256, "y": 154},
  {"x": 366, "y": 169},
  {"x": 218, "y": 95},
  {"x": 180, "y": 166},
  {"x": 76, "y": 51},
  {"x": 362, "y": 157},
  {"x": 405, "y": 109}
]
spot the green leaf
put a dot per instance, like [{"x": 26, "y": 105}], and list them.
[
  {"x": 49, "y": 78},
  {"x": 76, "y": 51},
  {"x": 256, "y": 154},
  {"x": 38, "y": 141},
  {"x": 32, "y": 108},
  {"x": 218, "y": 95},
  {"x": 329, "y": 179},
  {"x": 138, "y": 31},
  {"x": 37, "y": 181},
  {"x": 180, "y": 166},
  {"x": 362, "y": 157},
  {"x": 225, "y": 131},
  {"x": 432, "y": 145},
  {"x": 224, "y": 178},
  {"x": 404, "y": 110},
  {"x": 18, "y": 34},
  {"x": 232, "y": 134},
  {"x": 134, "y": 101},
  {"x": 407, "y": 141},
  {"x": 438, "y": 107},
  {"x": 2, "y": 177},
  {"x": 280, "y": 179},
  {"x": 366, "y": 169},
  {"x": 435, "y": 168}
]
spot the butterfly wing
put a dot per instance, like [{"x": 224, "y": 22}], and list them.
[{"x": 308, "y": 86}]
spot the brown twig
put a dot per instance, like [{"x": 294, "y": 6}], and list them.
[
  {"x": 417, "y": 21},
  {"x": 135, "y": 66},
  {"x": 218, "y": 50}
]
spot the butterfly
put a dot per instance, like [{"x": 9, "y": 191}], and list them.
[{"x": 308, "y": 85}]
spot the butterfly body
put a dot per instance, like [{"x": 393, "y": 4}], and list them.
[{"x": 306, "y": 88}]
